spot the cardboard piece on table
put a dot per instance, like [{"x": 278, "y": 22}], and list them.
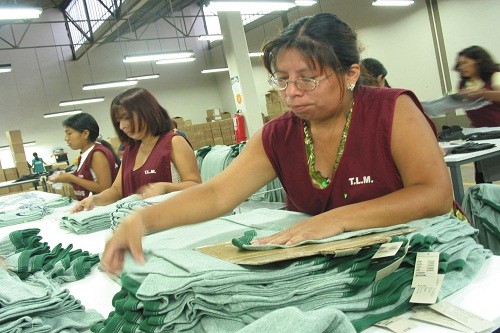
[{"x": 229, "y": 252}]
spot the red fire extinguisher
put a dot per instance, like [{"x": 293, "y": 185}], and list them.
[{"x": 240, "y": 134}]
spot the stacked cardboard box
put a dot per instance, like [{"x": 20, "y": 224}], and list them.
[
  {"x": 18, "y": 155},
  {"x": 216, "y": 114},
  {"x": 3, "y": 179},
  {"x": 274, "y": 105},
  {"x": 219, "y": 132},
  {"x": 66, "y": 190},
  {"x": 11, "y": 174},
  {"x": 181, "y": 122}
]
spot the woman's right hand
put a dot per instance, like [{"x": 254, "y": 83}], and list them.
[
  {"x": 86, "y": 204},
  {"x": 127, "y": 237}
]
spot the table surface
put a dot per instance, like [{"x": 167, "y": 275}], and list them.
[
  {"x": 461, "y": 157},
  {"x": 96, "y": 290},
  {"x": 9, "y": 183}
]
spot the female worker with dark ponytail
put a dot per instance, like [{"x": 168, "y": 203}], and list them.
[{"x": 98, "y": 164}]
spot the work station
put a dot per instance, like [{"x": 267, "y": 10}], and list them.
[{"x": 210, "y": 261}]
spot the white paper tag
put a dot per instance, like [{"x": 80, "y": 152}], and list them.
[
  {"x": 392, "y": 267},
  {"x": 387, "y": 250},
  {"x": 463, "y": 316},
  {"x": 398, "y": 325},
  {"x": 426, "y": 269},
  {"x": 430, "y": 316},
  {"x": 427, "y": 294}
]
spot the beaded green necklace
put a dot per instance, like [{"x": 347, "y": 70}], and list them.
[{"x": 317, "y": 178}]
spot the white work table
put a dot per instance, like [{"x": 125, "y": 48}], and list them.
[
  {"x": 454, "y": 161},
  {"x": 96, "y": 291}
]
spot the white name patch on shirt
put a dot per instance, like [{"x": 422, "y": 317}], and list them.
[{"x": 360, "y": 180}]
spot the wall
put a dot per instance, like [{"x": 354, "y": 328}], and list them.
[{"x": 400, "y": 37}]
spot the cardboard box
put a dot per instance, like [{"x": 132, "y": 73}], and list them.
[
  {"x": 22, "y": 169},
  {"x": 227, "y": 123},
  {"x": 225, "y": 115},
  {"x": 214, "y": 125},
  {"x": 213, "y": 112},
  {"x": 15, "y": 189},
  {"x": 14, "y": 137},
  {"x": 179, "y": 121},
  {"x": 218, "y": 141},
  {"x": 20, "y": 157},
  {"x": 27, "y": 187},
  {"x": 228, "y": 140},
  {"x": 10, "y": 174},
  {"x": 227, "y": 132},
  {"x": 17, "y": 148},
  {"x": 216, "y": 133}
]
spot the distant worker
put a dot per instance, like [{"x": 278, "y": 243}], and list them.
[
  {"x": 38, "y": 164},
  {"x": 374, "y": 73}
]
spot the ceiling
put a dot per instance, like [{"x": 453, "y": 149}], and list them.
[
  {"x": 131, "y": 16},
  {"x": 45, "y": 4}
]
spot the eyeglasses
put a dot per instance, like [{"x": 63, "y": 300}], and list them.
[{"x": 304, "y": 84}]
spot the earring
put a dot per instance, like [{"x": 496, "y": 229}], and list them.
[{"x": 351, "y": 87}]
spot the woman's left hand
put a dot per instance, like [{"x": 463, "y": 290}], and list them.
[
  {"x": 61, "y": 177},
  {"x": 314, "y": 228},
  {"x": 151, "y": 190},
  {"x": 473, "y": 94}
]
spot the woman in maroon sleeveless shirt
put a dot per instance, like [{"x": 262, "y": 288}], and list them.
[
  {"x": 152, "y": 150},
  {"x": 480, "y": 78},
  {"x": 97, "y": 164},
  {"x": 353, "y": 157}
]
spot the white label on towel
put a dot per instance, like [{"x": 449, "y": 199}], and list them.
[
  {"x": 427, "y": 294},
  {"x": 463, "y": 316},
  {"x": 387, "y": 250},
  {"x": 426, "y": 269},
  {"x": 392, "y": 267},
  {"x": 430, "y": 316},
  {"x": 398, "y": 325}
]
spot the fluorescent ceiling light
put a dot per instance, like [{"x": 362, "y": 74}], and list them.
[
  {"x": 143, "y": 77},
  {"x": 29, "y": 143},
  {"x": 305, "y": 3},
  {"x": 5, "y": 68},
  {"x": 26, "y": 144},
  {"x": 111, "y": 84},
  {"x": 392, "y": 2},
  {"x": 240, "y": 6},
  {"x": 157, "y": 56},
  {"x": 82, "y": 101},
  {"x": 211, "y": 38},
  {"x": 175, "y": 61},
  {"x": 17, "y": 13},
  {"x": 62, "y": 113},
  {"x": 255, "y": 54},
  {"x": 215, "y": 70}
]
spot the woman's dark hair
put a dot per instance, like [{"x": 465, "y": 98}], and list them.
[
  {"x": 322, "y": 39},
  {"x": 485, "y": 63},
  {"x": 84, "y": 121},
  {"x": 151, "y": 115},
  {"x": 35, "y": 155},
  {"x": 371, "y": 69}
]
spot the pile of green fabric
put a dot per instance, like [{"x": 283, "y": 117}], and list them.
[
  {"x": 31, "y": 296},
  {"x": 183, "y": 290}
]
